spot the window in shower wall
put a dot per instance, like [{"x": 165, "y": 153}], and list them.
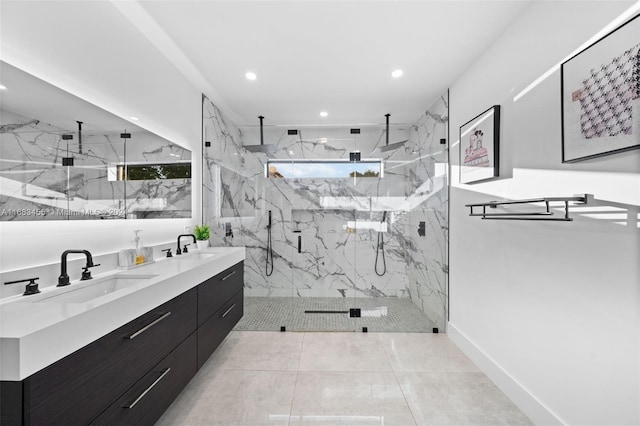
[{"x": 323, "y": 169}]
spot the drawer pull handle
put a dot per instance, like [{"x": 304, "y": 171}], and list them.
[
  {"x": 146, "y": 391},
  {"x": 228, "y": 310},
  {"x": 229, "y": 275},
  {"x": 148, "y": 326}
]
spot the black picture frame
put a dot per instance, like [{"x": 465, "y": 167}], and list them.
[
  {"x": 600, "y": 96},
  {"x": 480, "y": 147}
]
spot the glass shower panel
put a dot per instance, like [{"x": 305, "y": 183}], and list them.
[
  {"x": 323, "y": 269},
  {"x": 94, "y": 188}
]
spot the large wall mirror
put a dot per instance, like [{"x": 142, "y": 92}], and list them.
[{"x": 62, "y": 158}]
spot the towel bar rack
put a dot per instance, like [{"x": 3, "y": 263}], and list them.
[{"x": 537, "y": 215}]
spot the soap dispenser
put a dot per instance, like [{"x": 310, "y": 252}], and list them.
[{"x": 139, "y": 253}]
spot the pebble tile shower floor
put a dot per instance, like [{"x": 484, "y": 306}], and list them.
[{"x": 384, "y": 314}]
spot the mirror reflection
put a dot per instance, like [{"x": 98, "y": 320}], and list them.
[{"x": 62, "y": 158}]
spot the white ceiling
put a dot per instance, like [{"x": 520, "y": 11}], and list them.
[{"x": 335, "y": 56}]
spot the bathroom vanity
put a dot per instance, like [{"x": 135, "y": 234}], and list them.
[{"x": 120, "y": 357}]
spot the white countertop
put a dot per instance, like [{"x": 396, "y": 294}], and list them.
[{"x": 35, "y": 332}]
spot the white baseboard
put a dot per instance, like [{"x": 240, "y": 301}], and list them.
[{"x": 527, "y": 402}]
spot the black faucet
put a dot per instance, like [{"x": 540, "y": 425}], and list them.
[
  {"x": 63, "y": 279},
  {"x": 178, "y": 251}
]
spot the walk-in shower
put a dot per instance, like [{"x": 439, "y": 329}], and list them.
[{"x": 331, "y": 240}]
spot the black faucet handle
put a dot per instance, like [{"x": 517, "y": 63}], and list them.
[
  {"x": 86, "y": 274},
  {"x": 184, "y": 249},
  {"x": 31, "y": 288},
  {"x": 169, "y": 254}
]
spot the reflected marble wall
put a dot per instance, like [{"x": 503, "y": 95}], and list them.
[
  {"x": 333, "y": 262},
  {"x": 36, "y": 186}
]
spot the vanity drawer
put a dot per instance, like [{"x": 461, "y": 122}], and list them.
[
  {"x": 76, "y": 389},
  {"x": 216, "y": 291},
  {"x": 145, "y": 402},
  {"x": 218, "y": 326}
]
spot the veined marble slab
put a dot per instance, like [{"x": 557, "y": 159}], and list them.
[{"x": 336, "y": 258}]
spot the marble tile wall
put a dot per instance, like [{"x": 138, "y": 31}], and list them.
[
  {"x": 335, "y": 261},
  {"x": 35, "y": 185}
]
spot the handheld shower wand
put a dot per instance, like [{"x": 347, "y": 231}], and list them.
[
  {"x": 269, "y": 261},
  {"x": 380, "y": 247}
]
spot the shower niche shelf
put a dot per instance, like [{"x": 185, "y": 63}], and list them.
[{"x": 542, "y": 209}]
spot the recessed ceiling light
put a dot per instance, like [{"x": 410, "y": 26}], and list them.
[
  {"x": 251, "y": 76},
  {"x": 324, "y": 114},
  {"x": 134, "y": 118},
  {"x": 397, "y": 73},
  {"x": 2, "y": 87}
]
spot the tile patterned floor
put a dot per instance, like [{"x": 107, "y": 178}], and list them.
[
  {"x": 317, "y": 378},
  {"x": 379, "y": 314}
]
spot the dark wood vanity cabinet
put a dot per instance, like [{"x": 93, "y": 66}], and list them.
[
  {"x": 220, "y": 307},
  {"x": 131, "y": 375}
]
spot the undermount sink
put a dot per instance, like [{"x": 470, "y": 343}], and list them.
[
  {"x": 88, "y": 290},
  {"x": 200, "y": 255}
]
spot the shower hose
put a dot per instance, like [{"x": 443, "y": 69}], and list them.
[
  {"x": 269, "y": 262},
  {"x": 380, "y": 249}
]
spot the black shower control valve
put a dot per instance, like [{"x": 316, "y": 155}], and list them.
[
  {"x": 292, "y": 132},
  {"x": 31, "y": 287},
  {"x": 422, "y": 229},
  {"x": 443, "y": 141},
  {"x": 207, "y": 144},
  {"x": 169, "y": 254}
]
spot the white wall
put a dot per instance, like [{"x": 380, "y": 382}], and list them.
[
  {"x": 92, "y": 51},
  {"x": 550, "y": 310}
]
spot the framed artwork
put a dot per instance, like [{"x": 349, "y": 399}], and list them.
[
  {"x": 480, "y": 147},
  {"x": 601, "y": 96}
]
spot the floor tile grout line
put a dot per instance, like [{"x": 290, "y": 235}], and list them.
[
  {"x": 293, "y": 398},
  {"x": 406, "y": 401},
  {"x": 395, "y": 375},
  {"x": 295, "y": 383}
]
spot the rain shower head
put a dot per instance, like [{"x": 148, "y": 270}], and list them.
[
  {"x": 390, "y": 147},
  {"x": 266, "y": 149}
]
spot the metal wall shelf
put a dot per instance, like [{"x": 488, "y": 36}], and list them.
[{"x": 545, "y": 214}]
